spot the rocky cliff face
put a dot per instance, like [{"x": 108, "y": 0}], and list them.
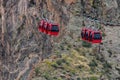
[
  {"x": 107, "y": 11},
  {"x": 22, "y": 46}
]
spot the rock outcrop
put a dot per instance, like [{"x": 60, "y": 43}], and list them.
[{"x": 20, "y": 37}]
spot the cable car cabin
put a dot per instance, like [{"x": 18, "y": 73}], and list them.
[
  {"x": 48, "y": 28},
  {"x": 95, "y": 37},
  {"x": 45, "y": 28},
  {"x": 41, "y": 25},
  {"x": 53, "y": 29},
  {"x": 83, "y": 33},
  {"x": 91, "y": 36}
]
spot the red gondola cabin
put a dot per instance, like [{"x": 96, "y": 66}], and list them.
[
  {"x": 83, "y": 33},
  {"x": 41, "y": 25},
  {"x": 89, "y": 31},
  {"x": 91, "y": 36},
  {"x": 48, "y": 28},
  {"x": 45, "y": 28},
  {"x": 53, "y": 29},
  {"x": 95, "y": 37}
]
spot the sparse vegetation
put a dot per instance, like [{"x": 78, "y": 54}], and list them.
[
  {"x": 118, "y": 69},
  {"x": 78, "y": 78},
  {"x": 37, "y": 71},
  {"x": 110, "y": 51},
  {"x": 107, "y": 65},
  {"x": 93, "y": 63},
  {"x": 103, "y": 34},
  {"x": 93, "y": 78},
  {"x": 72, "y": 64}
]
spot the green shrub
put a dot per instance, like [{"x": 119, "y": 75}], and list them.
[
  {"x": 93, "y": 63},
  {"x": 107, "y": 68},
  {"x": 47, "y": 76},
  {"x": 84, "y": 78},
  {"x": 103, "y": 34},
  {"x": 109, "y": 51},
  {"x": 72, "y": 72},
  {"x": 37, "y": 71},
  {"x": 100, "y": 27},
  {"x": 118, "y": 69},
  {"x": 107, "y": 65},
  {"x": 61, "y": 47},
  {"x": 86, "y": 44},
  {"x": 55, "y": 78},
  {"x": 55, "y": 65},
  {"x": 64, "y": 72},
  {"x": 78, "y": 78},
  {"x": 60, "y": 61},
  {"x": 93, "y": 78},
  {"x": 69, "y": 46}
]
